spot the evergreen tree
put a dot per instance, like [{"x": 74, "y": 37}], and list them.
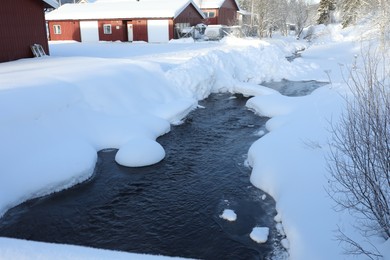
[
  {"x": 325, "y": 11},
  {"x": 350, "y": 9}
]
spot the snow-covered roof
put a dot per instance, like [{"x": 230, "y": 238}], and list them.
[
  {"x": 211, "y": 4},
  {"x": 52, "y": 3},
  {"x": 113, "y": 9}
]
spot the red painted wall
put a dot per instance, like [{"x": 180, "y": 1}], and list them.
[
  {"x": 211, "y": 20},
  {"x": 228, "y": 13},
  {"x": 22, "y": 24},
  {"x": 70, "y": 30},
  {"x": 140, "y": 29},
  {"x": 171, "y": 29},
  {"x": 189, "y": 15},
  {"x": 118, "y": 29}
]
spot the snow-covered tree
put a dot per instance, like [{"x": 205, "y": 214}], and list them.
[
  {"x": 378, "y": 12},
  {"x": 350, "y": 11},
  {"x": 325, "y": 11},
  {"x": 268, "y": 15}
]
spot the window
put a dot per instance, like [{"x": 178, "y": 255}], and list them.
[
  {"x": 57, "y": 29},
  {"x": 107, "y": 29},
  {"x": 209, "y": 14}
]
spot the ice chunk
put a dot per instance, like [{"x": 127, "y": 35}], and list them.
[
  {"x": 229, "y": 215},
  {"x": 259, "y": 234},
  {"x": 140, "y": 152}
]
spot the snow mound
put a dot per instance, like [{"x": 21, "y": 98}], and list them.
[
  {"x": 23, "y": 249},
  {"x": 285, "y": 243},
  {"x": 229, "y": 215},
  {"x": 140, "y": 152},
  {"x": 259, "y": 234}
]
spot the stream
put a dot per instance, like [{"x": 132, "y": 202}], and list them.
[{"x": 172, "y": 208}]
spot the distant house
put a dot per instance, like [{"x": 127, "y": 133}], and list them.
[
  {"x": 219, "y": 11},
  {"x": 22, "y": 25},
  {"x": 151, "y": 21}
]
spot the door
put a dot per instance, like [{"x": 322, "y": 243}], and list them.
[
  {"x": 89, "y": 31},
  {"x": 158, "y": 31},
  {"x": 130, "y": 35}
]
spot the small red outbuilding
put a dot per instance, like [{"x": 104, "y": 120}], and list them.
[
  {"x": 219, "y": 11},
  {"x": 22, "y": 25},
  {"x": 125, "y": 20}
]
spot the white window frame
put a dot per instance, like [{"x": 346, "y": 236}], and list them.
[
  {"x": 107, "y": 29},
  {"x": 207, "y": 14},
  {"x": 57, "y": 29}
]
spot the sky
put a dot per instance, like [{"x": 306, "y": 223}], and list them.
[{"x": 124, "y": 96}]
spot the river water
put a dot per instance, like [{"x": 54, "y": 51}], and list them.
[{"x": 172, "y": 208}]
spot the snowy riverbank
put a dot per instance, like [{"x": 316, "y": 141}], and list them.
[{"x": 58, "y": 111}]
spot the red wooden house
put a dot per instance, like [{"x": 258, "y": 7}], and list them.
[
  {"x": 22, "y": 25},
  {"x": 126, "y": 20},
  {"x": 219, "y": 11}
]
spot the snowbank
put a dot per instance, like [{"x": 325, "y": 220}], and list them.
[
  {"x": 57, "y": 112},
  {"x": 22, "y": 249},
  {"x": 290, "y": 161},
  {"x": 54, "y": 123},
  {"x": 140, "y": 152}
]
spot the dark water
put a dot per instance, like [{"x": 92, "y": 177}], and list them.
[{"x": 172, "y": 208}]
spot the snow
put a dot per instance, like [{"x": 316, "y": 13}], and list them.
[
  {"x": 229, "y": 215},
  {"x": 23, "y": 249},
  {"x": 259, "y": 234},
  {"x": 120, "y": 9},
  {"x": 56, "y": 112},
  {"x": 285, "y": 243},
  {"x": 140, "y": 152},
  {"x": 211, "y": 4}
]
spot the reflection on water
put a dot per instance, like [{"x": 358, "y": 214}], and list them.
[{"x": 294, "y": 88}]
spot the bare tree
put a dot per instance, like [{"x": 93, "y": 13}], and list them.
[
  {"x": 299, "y": 14},
  {"x": 359, "y": 162}
]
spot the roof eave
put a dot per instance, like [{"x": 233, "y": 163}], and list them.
[
  {"x": 51, "y": 3},
  {"x": 191, "y": 2}
]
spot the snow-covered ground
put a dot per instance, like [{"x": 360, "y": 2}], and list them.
[{"x": 57, "y": 112}]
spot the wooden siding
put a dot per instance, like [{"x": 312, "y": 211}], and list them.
[
  {"x": 70, "y": 30},
  {"x": 140, "y": 29},
  {"x": 22, "y": 24},
  {"x": 211, "y": 20},
  {"x": 171, "y": 29},
  {"x": 118, "y": 29},
  {"x": 189, "y": 15},
  {"x": 228, "y": 13}
]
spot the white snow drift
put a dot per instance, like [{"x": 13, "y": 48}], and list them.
[{"x": 57, "y": 112}]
